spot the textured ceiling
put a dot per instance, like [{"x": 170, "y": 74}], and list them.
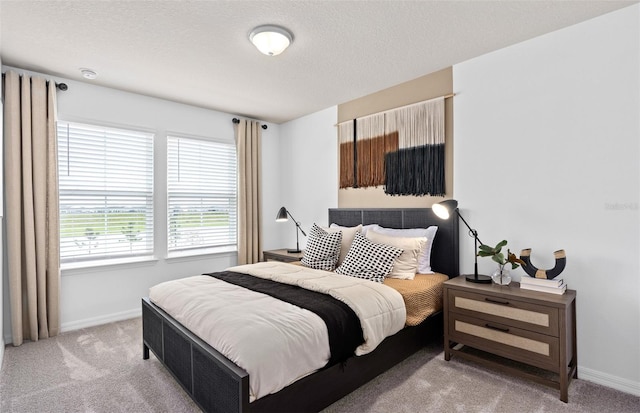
[{"x": 197, "y": 52}]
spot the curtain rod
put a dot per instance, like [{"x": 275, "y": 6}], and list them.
[
  {"x": 59, "y": 86},
  {"x": 236, "y": 120},
  {"x": 450, "y": 95}
]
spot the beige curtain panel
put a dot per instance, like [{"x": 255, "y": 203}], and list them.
[
  {"x": 32, "y": 215},
  {"x": 248, "y": 141}
]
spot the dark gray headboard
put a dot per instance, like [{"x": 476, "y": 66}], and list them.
[{"x": 444, "y": 253}]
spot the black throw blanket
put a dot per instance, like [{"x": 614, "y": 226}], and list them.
[{"x": 345, "y": 332}]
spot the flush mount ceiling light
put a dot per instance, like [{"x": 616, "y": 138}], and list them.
[
  {"x": 88, "y": 73},
  {"x": 271, "y": 40}
]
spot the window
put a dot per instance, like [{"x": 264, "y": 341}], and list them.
[
  {"x": 106, "y": 192},
  {"x": 201, "y": 188}
]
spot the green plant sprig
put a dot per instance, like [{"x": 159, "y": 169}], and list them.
[{"x": 496, "y": 255}]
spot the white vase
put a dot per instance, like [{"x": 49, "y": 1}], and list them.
[{"x": 501, "y": 276}]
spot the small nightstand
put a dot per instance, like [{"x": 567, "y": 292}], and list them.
[
  {"x": 282, "y": 255},
  {"x": 527, "y": 333}
]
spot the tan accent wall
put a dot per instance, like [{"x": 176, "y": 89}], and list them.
[{"x": 423, "y": 88}]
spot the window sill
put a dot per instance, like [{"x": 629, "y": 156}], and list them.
[
  {"x": 72, "y": 268},
  {"x": 203, "y": 254}
]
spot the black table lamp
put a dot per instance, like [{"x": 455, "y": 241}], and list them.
[
  {"x": 443, "y": 210},
  {"x": 281, "y": 217}
]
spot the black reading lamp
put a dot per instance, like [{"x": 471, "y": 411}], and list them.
[
  {"x": 443, "y": 210},
  {"x": 281, "y": 217}
]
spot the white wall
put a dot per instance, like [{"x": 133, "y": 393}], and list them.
[
  {"x": 547, "y": 156},
  {"x": 98, "y": 295},
  {"x": 271, "y": 187},
  {"x": 2, "y": 271},
  {"x": 308, "y": 173}
]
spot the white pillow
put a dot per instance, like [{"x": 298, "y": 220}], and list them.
[
  {"x": 424, "y": 260},
  {"x": 367, "y": 228},
  {"x": 406, "y": 265},
  {"x": 348, "y": 233}
]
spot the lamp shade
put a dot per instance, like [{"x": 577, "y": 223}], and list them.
[
  {"x": 444, "y": 209},
  {"x": 271, "y": 40},
  {"x": 282, "y": 215}
]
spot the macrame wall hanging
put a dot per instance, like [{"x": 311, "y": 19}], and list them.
[{"x": 402, "y": 149}]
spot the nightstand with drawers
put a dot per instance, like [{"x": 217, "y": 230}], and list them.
[{"x": 523, "y": 332}]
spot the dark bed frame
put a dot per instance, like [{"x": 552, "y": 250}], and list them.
[{"x": 218, "y": 385}]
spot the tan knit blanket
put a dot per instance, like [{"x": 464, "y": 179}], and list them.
[{"x": 422, "y": 295}]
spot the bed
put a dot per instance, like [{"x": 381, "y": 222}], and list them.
[{"x": 218, "y": 385}]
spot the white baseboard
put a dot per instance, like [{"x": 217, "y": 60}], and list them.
[
  {"x": 87, "y": 322},
  {"x": 1, "y": 352},
  {"x": 618, "y": 383},
  {"x": 96, "y": 321}
]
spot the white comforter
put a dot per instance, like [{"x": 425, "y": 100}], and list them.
[{"x": 275, "y": 342}]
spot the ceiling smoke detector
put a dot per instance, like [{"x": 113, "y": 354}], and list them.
[{"x": 88, "y": 73}]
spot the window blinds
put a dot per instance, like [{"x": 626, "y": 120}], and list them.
[
  {"x": 201, "y": 188},
  {"x": 106, "y": 192}
]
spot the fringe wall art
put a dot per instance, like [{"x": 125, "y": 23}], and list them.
[
  {"x": 402, "y": 149},
  {"x": 372, "y": 144},
  {"x": 347, "y": 155}
]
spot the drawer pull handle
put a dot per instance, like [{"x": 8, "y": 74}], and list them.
[
  {"x": 504, "y": 330},
  {"x": 492, "y": 300}
]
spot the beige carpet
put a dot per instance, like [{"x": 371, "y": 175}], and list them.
[{"x": 101, "y": 369}]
